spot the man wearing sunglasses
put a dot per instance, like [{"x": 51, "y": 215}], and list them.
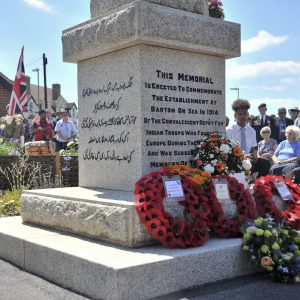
[
  {"x": 281, "y": 123},
  {"x": 261, "y": 121}
]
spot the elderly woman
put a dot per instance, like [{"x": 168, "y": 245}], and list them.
[
  {"x": 286, "y": 157},
  {"x": 267, "y": 146}
]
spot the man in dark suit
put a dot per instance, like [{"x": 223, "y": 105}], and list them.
[
  {"x": 280, "y": 124},
  {"x": 261, "y": 121}
]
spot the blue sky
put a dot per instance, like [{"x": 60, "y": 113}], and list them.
[{"x": 267, "y": 71}]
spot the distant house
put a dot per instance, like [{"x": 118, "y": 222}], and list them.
[
  {"x": 73, "y": 112},
  {"x": 36, "y": 99},
  {"x": 32, "y": 108}
]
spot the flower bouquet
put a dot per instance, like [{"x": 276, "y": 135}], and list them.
[
  {"x": 71, "y": 150},
  {"x": 215, "y": 9},
  {"x": 274, "y": 247},
  {"x": 220, "y": 156}
]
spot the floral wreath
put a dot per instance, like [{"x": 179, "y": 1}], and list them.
[
  {"x": 219, "y": 155},
  {"x": 230, "y": 227},
  {"x": 172, "y": 232},
  {"x": 273, "y": 246},
  {"x": 263, "y": 190}
]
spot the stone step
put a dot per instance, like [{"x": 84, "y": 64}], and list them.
[{"x": 101, "y": 270}]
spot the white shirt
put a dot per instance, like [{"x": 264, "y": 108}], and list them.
[
  {"x": 65, "y": 128},
  {"x": 233, "y": 132}
]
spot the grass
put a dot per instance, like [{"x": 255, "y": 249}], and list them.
[{"x": 10, "y": 203}]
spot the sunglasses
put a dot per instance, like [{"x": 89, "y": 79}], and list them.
[{"x": 266, "y": 132}]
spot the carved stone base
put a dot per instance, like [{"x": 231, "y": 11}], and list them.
[{"x": 101, "y": 214}]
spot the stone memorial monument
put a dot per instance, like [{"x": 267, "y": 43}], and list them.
[{"x": 151, "y": 82}]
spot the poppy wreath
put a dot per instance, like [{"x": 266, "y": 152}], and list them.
[
  {"x": 222, "y": 225},
  {"x": 264, "y": 188},
  {"x": 170, "y": 231}
]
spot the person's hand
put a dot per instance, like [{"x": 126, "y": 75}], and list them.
[
  {"x": 252, "y": 157},
  {"x": 265, "y": 155}
]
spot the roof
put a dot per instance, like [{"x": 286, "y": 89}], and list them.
[
  {"x": 34, "y": 92},
  {"x": 31, "y": 98},
  {"x": 6, "y": 82},
  {"x": 69, "y": 105}
]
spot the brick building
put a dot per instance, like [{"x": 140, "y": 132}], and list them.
[{"x": 6, "y": 86}]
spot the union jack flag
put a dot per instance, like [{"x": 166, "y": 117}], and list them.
[{"x": 18, "y": 98}]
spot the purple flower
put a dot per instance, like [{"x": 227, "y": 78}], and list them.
[
  {"x": 296, "y": 267},
  {"x": 66, "y": 169},
  {"x": 291, "y": 247},
  {"x": 67, "y": 158},
  {"x": 297, "y": 259}
]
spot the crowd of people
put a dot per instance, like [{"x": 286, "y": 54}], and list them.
[
  {"x": 271, "y": 143},
  {"x": 44, "y": 127}
]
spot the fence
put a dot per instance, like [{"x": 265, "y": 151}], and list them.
[{"x": 66, "y": 167}]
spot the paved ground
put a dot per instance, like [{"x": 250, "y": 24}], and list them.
[
  {"x": 256, "y": 287},
  {"x": 18, "y": 285}
]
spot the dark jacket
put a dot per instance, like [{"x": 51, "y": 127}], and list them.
[
  {"x": 257, "y": 125},
  {"x": 288, "y": 122}
]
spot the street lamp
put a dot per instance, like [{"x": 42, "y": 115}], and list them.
[
  {"x": 38, "y": 79},
  {"x": 238, "y": 91}
]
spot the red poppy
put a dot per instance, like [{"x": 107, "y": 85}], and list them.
[
  {"x": 155, "y": 213},
  {"x": 169, "y": 241},
  {"x": 152, "y": 224},
  {"x": 149, "y": 196},
  {"x": 178, "y": 226},
  {"x": 159, "y": 233},
  {"x": 140, "y": 199}
]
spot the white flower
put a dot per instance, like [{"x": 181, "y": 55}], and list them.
[
  {"x": 224, "y": 148},
  {"x": 2, "y": 126},
  {"x": 234, "y": 143},
  {"x": 211, "y": 156},
  {"x": 209, "y": 168},
  {"x": 246, "y": 164},
  {"x": 214, "y": 162}
]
